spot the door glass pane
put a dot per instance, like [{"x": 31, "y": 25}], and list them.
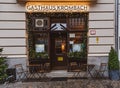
[{"x": 60, "y": 46}]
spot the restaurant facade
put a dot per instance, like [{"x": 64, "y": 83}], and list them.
[{"x": 57, "y": 28}]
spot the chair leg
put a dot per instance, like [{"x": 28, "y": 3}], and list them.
[{"x": 7, "y": 84}]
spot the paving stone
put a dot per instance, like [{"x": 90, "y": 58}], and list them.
[{"x": 71, "y": 83}]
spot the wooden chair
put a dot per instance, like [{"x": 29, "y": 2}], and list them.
[
  {"x": 20, "y": 72},
  {"x": 47, "y": 67}
]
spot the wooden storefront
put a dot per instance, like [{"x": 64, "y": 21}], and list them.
[
  {"x": 56, "y": 30},
  {"x": 57, "y": 34}
]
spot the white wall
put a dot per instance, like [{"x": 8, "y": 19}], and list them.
[
  {"x": 101, "y": 20},
  {"x": 13, "y": 32},
  {"x": 12, "y": 28}
]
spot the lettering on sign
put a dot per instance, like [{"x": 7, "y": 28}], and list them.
[{"x": 56, "y": 8}]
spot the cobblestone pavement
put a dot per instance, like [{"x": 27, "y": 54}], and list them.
[{"x": 71, "y": 83}]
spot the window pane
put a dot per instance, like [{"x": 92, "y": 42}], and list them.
[
  {"x": 41, "y": 42},
  {"x": 60, "y": 45},
  {"x": 77, "y": 41}
]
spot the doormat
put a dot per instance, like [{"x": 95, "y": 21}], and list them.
[{"x": 59, "y": 79}]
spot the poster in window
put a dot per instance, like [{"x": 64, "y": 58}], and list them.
[
  {"x": 40, "y": 47},
  {"x": 76, "y": 47}
]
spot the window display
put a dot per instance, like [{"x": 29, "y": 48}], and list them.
[
  {"x": 76, "y": 47},
  {"x": 40, "y": 48}
]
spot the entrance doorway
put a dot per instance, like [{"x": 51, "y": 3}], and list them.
[
  {"x": 58, "y": 49},
  {"x": 58, "y": 41}
]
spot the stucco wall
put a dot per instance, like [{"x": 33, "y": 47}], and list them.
[
  {"x": 102, "y": 20},
  {"x": 13, "y": 32}
]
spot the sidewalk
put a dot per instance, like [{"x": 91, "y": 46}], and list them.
[
  {"x": 70, "y": 83},
  {"x": 62, "y": 79}
]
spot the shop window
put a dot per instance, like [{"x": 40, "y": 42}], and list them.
[
  {"x": 76, "y": 23},
  {"x": 41, "y": 42},
  {"x": 78, "y": 42}
]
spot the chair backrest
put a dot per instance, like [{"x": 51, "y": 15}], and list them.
[
  {"x": 103, "y": 67},
  {"x": 73, "y": 64},
  {"x": 19, "y": 68}
]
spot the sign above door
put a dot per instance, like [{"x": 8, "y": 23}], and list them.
[{"x": 56, "y": 7}]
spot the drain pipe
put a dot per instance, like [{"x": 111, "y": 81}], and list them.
[
  {"x": 117, "y": 39},
  {"x": 116, "y": 27}
]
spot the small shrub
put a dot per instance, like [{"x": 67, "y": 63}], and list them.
[
  {"x": 113, "y": 62},
  {"x": 3, "y": 67}
]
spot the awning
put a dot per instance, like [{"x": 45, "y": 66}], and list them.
[{"x": 24, "y": 1}]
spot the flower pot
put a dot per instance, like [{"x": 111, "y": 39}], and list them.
[{"x": 114, "y": 75}]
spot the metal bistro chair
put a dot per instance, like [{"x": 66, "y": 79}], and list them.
[
  {"x": 90, "y": 70},
  {"x": 46, "y": 70},
  {"x": 75, "y": 68},
  {"x": 100, "y": 73},
  {"x": 47, "y": 67},
  {"x": 72, "y": 66},
  {"x": 9, "y": 80},
  {"x": 20, "y": 72}
]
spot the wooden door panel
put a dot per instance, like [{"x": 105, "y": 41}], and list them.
[{"x": 59, "y": 49}]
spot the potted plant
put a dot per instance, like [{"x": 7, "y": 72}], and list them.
[
  {"x": 113, "y": 65},
  {"x": 3, "y": 67}
]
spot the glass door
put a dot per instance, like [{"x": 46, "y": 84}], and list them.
[{"x": 58, "y": 50}]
